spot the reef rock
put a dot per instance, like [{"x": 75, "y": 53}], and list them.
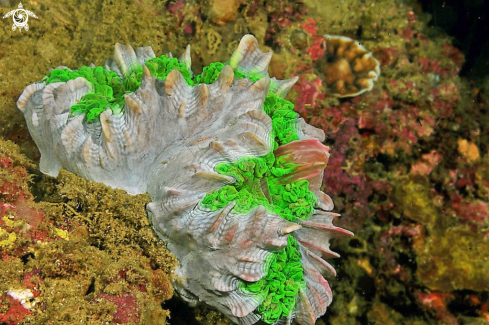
[{"x": 234, "y": 174}]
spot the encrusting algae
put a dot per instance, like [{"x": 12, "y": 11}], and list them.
[{"x": 81, "y": 252}]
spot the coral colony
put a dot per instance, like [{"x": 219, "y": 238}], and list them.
[
  {"x": 350, "y": 69},
  {"x": 233, "y": 173}
]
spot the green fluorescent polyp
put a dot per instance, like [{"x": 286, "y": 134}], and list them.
[
  {"x": 108, "y": 88},
  {"x": 257, "y": 178},
  {"x": 161, "y": 66},
  {"x": 281, "y": 284},
  {"x": 258, "y": 182}
]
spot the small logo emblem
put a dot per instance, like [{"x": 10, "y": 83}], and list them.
[{"x": 20, "y": 17}]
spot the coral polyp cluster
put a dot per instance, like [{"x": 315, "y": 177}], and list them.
[
  {"x": 350, "y": 69},
  {"x": 233, "y": 173},
  {"x": 107, "y": 90}
]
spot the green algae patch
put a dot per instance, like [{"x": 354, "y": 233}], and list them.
[
  {"x": 380, "y": 313},
  {"x": 112, "y": 255},
  {"x": 85, "y": 252},
  {"x": 450, "y": 255},
  {"x": 453, "y": 259},
  {"x": 11, "y": 150},
  {"x": 208, "y": 316},
  {"x": 413, "y": 197},
  {"x": 116, "y": 219}
]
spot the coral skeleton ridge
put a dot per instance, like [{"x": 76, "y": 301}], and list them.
[{"x": 234, "y": 174}]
